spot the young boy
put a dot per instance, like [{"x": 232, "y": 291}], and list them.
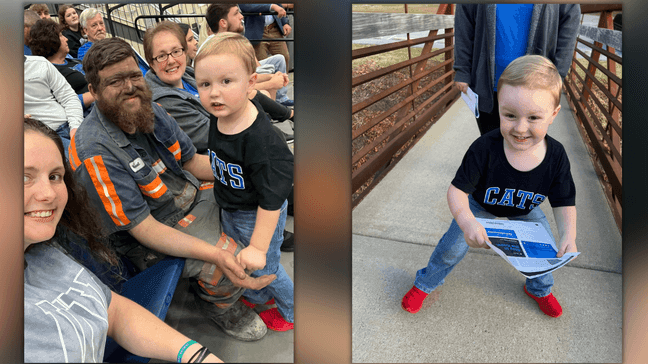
[
  {"x": 253, "y": 168},
  {"x": 508, "y": 172}
]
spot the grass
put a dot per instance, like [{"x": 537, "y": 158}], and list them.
[
  {"x": 599, "y": 75},
  {"x": 391, "y": 58},
  {"x": 395, "y": 8},
  {"x": 385, "y": 59}
]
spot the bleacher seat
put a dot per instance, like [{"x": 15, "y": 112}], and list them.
[
  {"x": 153, "y": 289},
  {"x": 141, "y": 62}
]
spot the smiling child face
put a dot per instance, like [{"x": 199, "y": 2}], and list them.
[{"x": 525, "y": 116}]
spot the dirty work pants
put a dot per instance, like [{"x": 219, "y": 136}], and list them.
[{"x": 203, "y": 222}]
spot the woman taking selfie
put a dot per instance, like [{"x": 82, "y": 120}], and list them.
[{"x": 68, "y": 312}]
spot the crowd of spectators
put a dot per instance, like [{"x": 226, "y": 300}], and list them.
[{"x": 117, "y": 164}]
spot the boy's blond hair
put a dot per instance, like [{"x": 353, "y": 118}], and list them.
[
  {"x": 534, "y": 72},
  {"x": 232, "y": 43}
]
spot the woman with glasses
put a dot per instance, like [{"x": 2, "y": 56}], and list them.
[
  {"x": 173, "y": 84},
  {"x": 68, "y": 310}
]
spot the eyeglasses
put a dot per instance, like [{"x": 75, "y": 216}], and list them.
[
  {"x": 163, "y": 57},
  {"x": 120, "y": 81}
]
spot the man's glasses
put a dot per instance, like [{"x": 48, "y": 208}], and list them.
[
  {"x": 163, "y": 57},
  {"x": 120, "y": 81}
]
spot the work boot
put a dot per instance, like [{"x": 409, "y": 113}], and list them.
[
  {"x": 239, "y": 321},
  {"x": 288, "y": 244}
]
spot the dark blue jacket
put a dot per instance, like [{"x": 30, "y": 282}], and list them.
[{"x": 254, "y": 24}]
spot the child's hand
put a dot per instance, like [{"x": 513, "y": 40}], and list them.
[
  {"x": 567, "y": 247},
  {"x": 252, "y": 258},
  {"x": 475, "y": 235}
]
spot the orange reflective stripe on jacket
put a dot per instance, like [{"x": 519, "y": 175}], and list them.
[
  {"x": 154, "y": 189},
  {"x": 175, "y": 149},
  {"x": 75, "y": 162},
  {"x": 106, "y": 190}
]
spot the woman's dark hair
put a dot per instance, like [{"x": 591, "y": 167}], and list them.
[
  {"x": 78, "y": 216},
  {"x": 45, "y": 38},
  {"x": 185, "y": 28}
]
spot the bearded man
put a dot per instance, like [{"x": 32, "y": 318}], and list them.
[
  {"x": 142, "y": 174},
  {"x": 271, "y": 71}
]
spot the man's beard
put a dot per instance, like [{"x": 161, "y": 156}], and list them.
[
  {"x": 236, "y": 28},
  {"x": 143, "y": 119}
]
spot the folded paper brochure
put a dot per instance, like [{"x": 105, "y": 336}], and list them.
[
  {"x": 527, "y": 246},
  {"x": 472, "y": 100}
]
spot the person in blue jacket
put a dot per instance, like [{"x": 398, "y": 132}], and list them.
[{"x": 267, "y": 26}]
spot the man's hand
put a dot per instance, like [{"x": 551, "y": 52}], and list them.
[
  {"x": 281, "y": 12},
  {"x": 475, "y": 235},
  {"x": 286, "y": 79},
  {"x": 230, "y": 266},
  {"x": 252, "y": 258},
  {"x": 462, "y": 86},
  {"x": 287, "y": 29},
  {"x": 567, "y": 247},
  {"x": 278, "y": 80}
]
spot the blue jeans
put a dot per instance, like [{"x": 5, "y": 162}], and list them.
[
  {"x": 453, "y": 247},
  {"x": 63, "y": 132},
  {"x": 239, "y": 225},
  {"x": 279, "y": 63}
]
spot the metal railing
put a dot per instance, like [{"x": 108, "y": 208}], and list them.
[
  {"x": 129, "y": 21},
  {"x": 404, "y": 99},
  {"x": 596, "y": 101}
]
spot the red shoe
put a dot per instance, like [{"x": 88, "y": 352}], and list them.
[
  {"x": 252, "y": 305},
  {"x": 548, "y": 304},
  {"x": 274, "y": 320},
  {"x": 247, "y": 303},
  {"x": 413, "y": 300}
]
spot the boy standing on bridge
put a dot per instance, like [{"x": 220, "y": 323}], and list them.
[
  {"x": 253, "y": 169},
  {"x": 509, "y": 172}
]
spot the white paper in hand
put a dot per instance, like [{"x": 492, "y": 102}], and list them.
[{"x": 472, "y": 100}]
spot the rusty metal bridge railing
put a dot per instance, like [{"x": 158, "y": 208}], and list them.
[{"x": 404, "y": 99}]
